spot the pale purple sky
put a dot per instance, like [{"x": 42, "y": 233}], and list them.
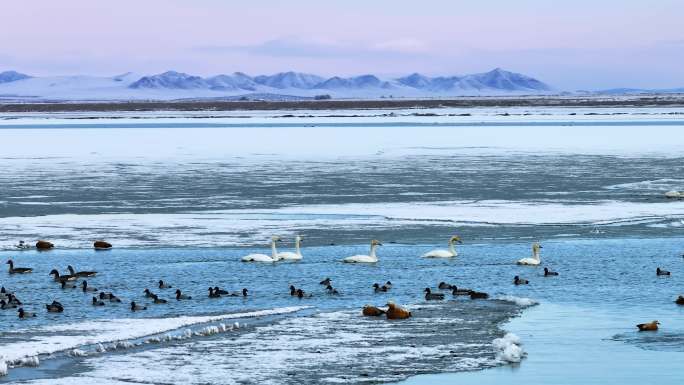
[{"x": 573, "y": 44}]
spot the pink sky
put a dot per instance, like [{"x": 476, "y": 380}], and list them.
[{"x": 570, "y": 44}]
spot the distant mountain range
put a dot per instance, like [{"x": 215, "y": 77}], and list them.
[{"x": 178, "y": 85}]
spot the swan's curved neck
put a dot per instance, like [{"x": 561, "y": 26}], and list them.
[
  {"x": 372, "y": 251},
  {"x": 535, "y": 253},
  {"x": 452, "y": 247},
  {"x": 274, "y": 252},
  {"x": 297, "y": 250}
]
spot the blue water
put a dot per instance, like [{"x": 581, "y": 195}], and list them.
[{"x": 188, "y": 219}]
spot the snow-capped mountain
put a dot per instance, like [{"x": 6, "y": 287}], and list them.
[
  {"x": 289, "y": 79},
  {"x": 178, "y": 85},
  {"x": 12, "y": 76},
  {"x": 170, "y": 80}
]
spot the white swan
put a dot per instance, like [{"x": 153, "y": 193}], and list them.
[
  {"x": 263, "y": 257},
  {"x": 534, "y": 260},
  {"x": 290, "y": 256},
  {"x": 371, "y": 258},
  {"x": 441, "y": 253}
]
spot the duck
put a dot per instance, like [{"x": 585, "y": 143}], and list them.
[
  {"x": 158, "y": 300},
  {"x": 244, "y": 293},
  {"x": 86, "y": 288},
  {"x": 102, "y": 245},
  {"x": 549, "y": 273},
  {"x": 148, "y": 293},
  {"x": 164, "y": 285},
  {"x": 54, "y": 307},
  {"x": 293, "y": 290},
  {"x": 429, "y": 295},
  {"x": 660, "y": 271},
  {"x": 181, "y": 296},
  {"x": 18, "y": 270},
  {"x": 301, "y": 294},
  {"x": 680, "y": 300},
  {"x": 97, "y": 302},
  {"x": 370, "y": 258},
  {"x": 649, "y": 326},
  {"x": 263, "y": 257},
  {"x": 4, "y": 305},
  {"x": 220, "y": 291},
  {"x": 372, "y": 311},
  {"x": 326, "y": 282},
  {"x": 67, "y": 285},
  {"x": 44, "y": 245},
  {"x": 12, "y": 299},
  {"x": 478, "y": 295},
  {"x": 25, "y": 314},
  {"x": 535, "y": 260},
  {"x": 457, "y": 291},
  {"x": 388, "y": 285},
  {"x": 331, "y": 290},
  {"x": 441, "y": 253},
  {"x": 136, "y": 307},
  {"x": 290, "y": 256},
  {"x": 396, "y": 312},
  {"x": 62, "y": 278},
  {"x": 377, "y": 288},
  {"x": 213, "y": 293},
  {"x": 111, "y": 297},
  {"x": 445, "y": 286},
  {"x": 518, "y": 281},
  {"x": 81, "y": 273}
]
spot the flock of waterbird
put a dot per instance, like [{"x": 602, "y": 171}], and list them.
[{"x": 8, "y": 300}]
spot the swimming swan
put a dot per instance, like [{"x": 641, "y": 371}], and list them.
[
  {"x": 371, "y": 258},
  {"x": 290, "y": 256},
  {"x": 534, "y": 260},
  {"x": 440, "y": 253},
  {"x": 263, "y": 257}
]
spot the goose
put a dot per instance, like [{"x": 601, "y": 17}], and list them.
[
  {"x": 396, "y": 312},
  {"x": 680, "y": 300},
  {"x": 67, "y": 285},
  {"x": 457, "y": 291},
  {"x": 429, "y": 295},
  {"x": 54, "y": 307},
  {"x": 331, "y": 290},
  {"x": 62, "y": 278},
  {"x": 372, "y": 311},
  {"x": 441, "y": 253},
  {"x": 263, "y": 257},
  {"x": 326, "y": 282},
  {"x": 158, "y": 300},
  {"x": 97, "y": 302},
  {"x": 290, "y": 256},
  {"x": 370, "y": 258},
  {"x": 86, "y": 288},
  {"x": 518, "y": 281},
  {"x": 180, "y": 296},
  {"x": 213, "y": 293},
  {"x": 548, "y": 273},
  {"x": 444, "y": 286},
  {"x": 377, "y": 288},
  {"x": 24, "y": 314},
  {"x": 81, "y": 273},
  {"x": 148, "y": 293},
  {"x": 163, "y": 285},
  {"x": 478, "y": 295},
  {"x": 649, "y": 326},
  {"x": 220, "y": 291},
  {"x": 18, "y": 270},
  {"x": 534, "y": 260},
  {"x": 660, "y": 271},
  {"x": 136, "y": 307}
]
